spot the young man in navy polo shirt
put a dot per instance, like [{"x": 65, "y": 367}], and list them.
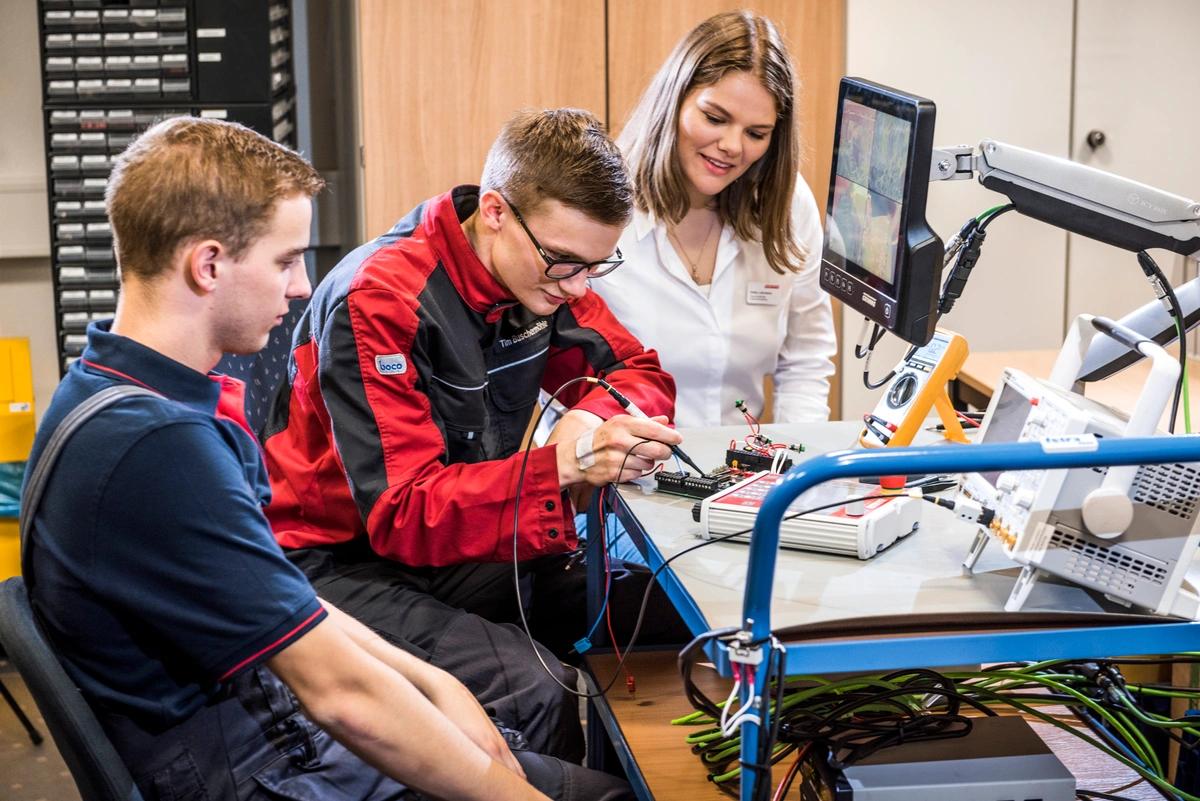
[{"x": 150, "y": 563}]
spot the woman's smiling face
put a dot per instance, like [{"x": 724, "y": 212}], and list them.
[{"x": 723, "y": 129}]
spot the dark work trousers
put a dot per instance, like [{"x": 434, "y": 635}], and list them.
[
  {"x": 464, "y": 620},
  {"x": 252, "y": 743}
]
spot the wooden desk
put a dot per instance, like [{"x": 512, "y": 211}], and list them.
[
  {"x": 671, "y": 772},
  {"x": 979, "y": 376}
]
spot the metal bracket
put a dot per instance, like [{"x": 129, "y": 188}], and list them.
[
  {"x": 955, "y": 163},
  {"x": 742, "y": 651},
  {"x": 977, "y": 545}
]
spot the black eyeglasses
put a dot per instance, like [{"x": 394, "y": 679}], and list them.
[{"x": 562, "y": 269}]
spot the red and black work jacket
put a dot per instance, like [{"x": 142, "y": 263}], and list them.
[{"x": 412, "y": 378}]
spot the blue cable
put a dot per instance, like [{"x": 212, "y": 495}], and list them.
[
  {"x": 1108, "y": 734},
  {"x": 603, "y": 607},
  {"x": 585, "y": 643},
  {"x": 1105, "y": 733}
]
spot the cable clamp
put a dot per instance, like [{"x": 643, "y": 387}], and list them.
[{"x": 743, "y": 650}]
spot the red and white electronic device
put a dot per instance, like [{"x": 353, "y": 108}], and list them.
[{"x": 862, "y": 528}]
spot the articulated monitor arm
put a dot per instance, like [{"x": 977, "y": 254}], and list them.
[
  {"x": 1090, "y": 202},
  {"x": 1096, "y": 204}
]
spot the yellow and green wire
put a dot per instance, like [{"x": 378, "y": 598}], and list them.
[{"x": 991, "y": 687}]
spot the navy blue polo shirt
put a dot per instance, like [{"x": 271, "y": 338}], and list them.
[{"x": 150, "y": 562}]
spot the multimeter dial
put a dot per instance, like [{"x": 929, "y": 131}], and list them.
[{"x": 903, "y": 388}]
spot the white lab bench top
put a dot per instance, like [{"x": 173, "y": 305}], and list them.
[{"x": 921, "y": 573}]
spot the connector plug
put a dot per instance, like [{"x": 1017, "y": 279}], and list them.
[
  {"x": 962, "y": 270},
  {"x": 743, "y": 651},
  {"x": 965, "y": 510}
]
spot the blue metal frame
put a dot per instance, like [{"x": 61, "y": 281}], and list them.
[
  {"x": 676, "y": 592},
  {"x": 764, "y": 545}
]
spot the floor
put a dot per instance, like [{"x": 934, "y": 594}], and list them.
[{"x": 29, "y": 772}]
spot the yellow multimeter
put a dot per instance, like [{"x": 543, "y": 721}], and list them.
[{"x": 918, "y": 386}]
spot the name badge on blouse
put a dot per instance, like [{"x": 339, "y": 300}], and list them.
[{"x": 759, "y": 293}]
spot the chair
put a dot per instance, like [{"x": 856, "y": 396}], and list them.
[
  {"x": 97, "y": 769},
  {"x": 35, "y": 736},
  {"x": 264, "y": 371}
]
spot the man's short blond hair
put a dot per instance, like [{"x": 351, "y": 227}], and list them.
[
  {"x": 560, "y": 154},
  {"x": 186, "y": 179}
]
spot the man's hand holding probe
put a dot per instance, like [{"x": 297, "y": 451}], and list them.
[{"x": 596, "y": 452}]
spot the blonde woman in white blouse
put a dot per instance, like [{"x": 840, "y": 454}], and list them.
[{"x": 722, "y": 256}]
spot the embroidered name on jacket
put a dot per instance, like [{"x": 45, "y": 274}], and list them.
[
  {"x": 392, "y": 364},
  {"x": 532, "y": 330}
]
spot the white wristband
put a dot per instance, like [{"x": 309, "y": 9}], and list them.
[{"x": 583, "y": 451}]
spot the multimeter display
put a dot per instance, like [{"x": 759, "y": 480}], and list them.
[{"x": 926, "y": 358}]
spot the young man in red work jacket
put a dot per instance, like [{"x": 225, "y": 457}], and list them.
[{"x": 394, "y": 448}]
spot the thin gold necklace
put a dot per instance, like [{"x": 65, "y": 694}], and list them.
[{"x": 693, "y": 263}]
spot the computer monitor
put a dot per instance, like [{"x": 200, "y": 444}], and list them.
[{"x": 880, "y": 257}]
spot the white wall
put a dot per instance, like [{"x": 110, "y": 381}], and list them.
[
  {"x": 994, "y": 70},
  {"x": 26, "y": 296},
  {"x": 23, "y": 229},
  {"x": 1135, "y": 83}
]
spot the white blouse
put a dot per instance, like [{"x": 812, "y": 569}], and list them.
[{"x": 719, "y": 341}]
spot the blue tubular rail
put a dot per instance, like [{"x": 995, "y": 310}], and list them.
[{"x": 764, "y": 543}]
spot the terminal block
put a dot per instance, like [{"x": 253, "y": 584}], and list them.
[{"x": 691, "y": 486}]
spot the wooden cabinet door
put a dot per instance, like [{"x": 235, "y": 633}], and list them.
[{"x": 437, "y": 80}]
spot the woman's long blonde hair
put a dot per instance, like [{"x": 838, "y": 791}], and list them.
[{"x": 758, "y": 204}]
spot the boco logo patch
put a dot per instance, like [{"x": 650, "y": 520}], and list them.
[{"x": 392, "y": 364}]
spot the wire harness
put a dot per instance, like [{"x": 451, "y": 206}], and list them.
[{"x": 845, "y": 720}]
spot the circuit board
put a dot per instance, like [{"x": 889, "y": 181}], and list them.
[{"x": 752, "y": 461}]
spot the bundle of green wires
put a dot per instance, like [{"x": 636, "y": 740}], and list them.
[{"x": 847, "y": 718}]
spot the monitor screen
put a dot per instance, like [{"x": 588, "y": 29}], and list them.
[
  {"x": 868, "y": 191},
  {"x": 880, "y": 256}
]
